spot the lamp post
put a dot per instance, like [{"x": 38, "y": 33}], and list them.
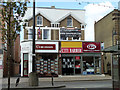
[
  {"x": 33, "y": 77},
  {"x": 33, "y": 50}
]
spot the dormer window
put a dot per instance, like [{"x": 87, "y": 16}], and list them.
[
  {"x": 69, "y": 22},
  {"x": 39, "y": 20}
]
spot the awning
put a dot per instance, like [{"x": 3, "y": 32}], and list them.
[{"x": 112, "y": 49}]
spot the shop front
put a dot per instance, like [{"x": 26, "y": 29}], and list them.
[
  {"x": 46, "y": 58},
  {"x": 78, "y": 58}
]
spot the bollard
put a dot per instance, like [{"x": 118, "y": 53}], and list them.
[{"x": 52, "y": 74}]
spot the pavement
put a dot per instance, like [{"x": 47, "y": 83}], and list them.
[{"x": 24, "y": 81}]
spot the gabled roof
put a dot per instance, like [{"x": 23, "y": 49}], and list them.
[{"x": 56, "y": 15}]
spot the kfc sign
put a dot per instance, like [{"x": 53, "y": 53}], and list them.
[{"x": 91, "y": 46}]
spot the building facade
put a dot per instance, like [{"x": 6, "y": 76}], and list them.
[
  {"x": 15, "y": 62},
  {"x": 59, "y": 36},
  {"x": 108, "y": 35}
]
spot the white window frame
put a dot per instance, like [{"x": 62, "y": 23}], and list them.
[
  {"x": 49, "y": 36},
  {"x": 30, "y": 33},
  {"x": 82, "y": 26},
  {"x": 71, "y": 22},
  {"x": 55, "y": 25},
  {"x": 40, "y": 21}
]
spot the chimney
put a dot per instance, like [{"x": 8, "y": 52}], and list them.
[{"x": 53, "y": 7}]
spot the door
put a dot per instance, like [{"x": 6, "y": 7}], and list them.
[
  {"x": 78, "y": 65},
  {"x": 25, "y": 64},
  {"x": 97, "y": 65}
]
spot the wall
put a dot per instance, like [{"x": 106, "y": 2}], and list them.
[{"x": 103, "y": 33}]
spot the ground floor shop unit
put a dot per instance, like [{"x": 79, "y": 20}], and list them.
[
  {"x": 61, "y": 58},
  {"x": 81, "y": 64},
  {"x": 46, "y": 58}
]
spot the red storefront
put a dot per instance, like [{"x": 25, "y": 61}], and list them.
[{"x": 80, "y": 58}]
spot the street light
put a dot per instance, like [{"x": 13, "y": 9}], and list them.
[{"x": 33, "y": 77}]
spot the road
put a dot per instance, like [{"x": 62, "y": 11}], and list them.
[
  {"x": 88, "y": 84},
  {"x": 76, "y": 85}
]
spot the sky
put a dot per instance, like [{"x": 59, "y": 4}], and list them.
[{"x": 94, "y": 10}]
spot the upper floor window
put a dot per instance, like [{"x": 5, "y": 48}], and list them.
[
  {"x": 46, "y": 34},
  {"x": 69, "y": 22},
  {"x": 39, "y": 20},
  {"x": 82, "y": 27},
  {"x": 54, "y": 24},
  {"x": 30, "y": 34}
]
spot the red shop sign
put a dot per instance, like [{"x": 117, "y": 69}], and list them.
[
  {"x": 45, "y": 47},
  {"x": 91, "y": 46},
  {"x": 71, "y": 50}
]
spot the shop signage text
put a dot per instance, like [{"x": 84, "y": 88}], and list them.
[
  {"x": 71, "y": 50},
  {"x": 91, "y": 47},
  {"x": 45, "y": 47}
]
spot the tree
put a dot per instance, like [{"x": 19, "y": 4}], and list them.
[{"x": 12, "y": 13}]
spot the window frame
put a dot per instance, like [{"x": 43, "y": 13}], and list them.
[
  {"x": 49, "y": 36},
  {"x": 71, "y": 22},
  {"x": 40, "y": 20},
  {"x": 30, "y": 32}
]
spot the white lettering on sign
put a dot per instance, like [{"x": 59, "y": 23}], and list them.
[
  {"x": 91, "y": 46},
  {"x": 71, "y": 50}
]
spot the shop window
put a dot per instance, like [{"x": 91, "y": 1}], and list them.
[
  {"x": 47, "y": 64},
  {"x": 67, "y": 66},
  {"x": 39, "y": 20},
  {"x": 69, "y": 22},
  {"x": 46, "y": 34}
]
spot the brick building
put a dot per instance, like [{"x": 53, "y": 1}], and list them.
[{"x": 15, "y": 62}]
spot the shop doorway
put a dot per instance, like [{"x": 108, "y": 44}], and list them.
[
  {"x": 25, "y": 64},
  {"x": 97, "y": 65},
  {"x": 88, "y": 65},
  {"x": 78, "y": 65}
]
